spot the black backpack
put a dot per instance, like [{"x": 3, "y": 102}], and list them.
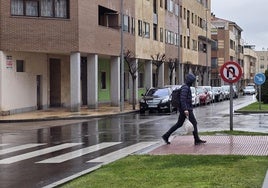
[{"x": 175, "y": 98}]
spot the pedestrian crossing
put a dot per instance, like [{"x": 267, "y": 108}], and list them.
[{"x": 115, "y": 155}]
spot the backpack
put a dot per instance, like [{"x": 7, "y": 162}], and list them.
[{"x": 175, "y": 98}]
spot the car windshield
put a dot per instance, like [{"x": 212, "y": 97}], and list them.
[{"x": 158, "y": 92}]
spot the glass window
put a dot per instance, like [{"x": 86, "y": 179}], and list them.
[
  {"x": 31, "y": 8},
  {"x": 43, "y": 8},
  {"x": 16, "y": 7},
  {"x": 20, "y": 66},
  {"x": 146, "y": 30},
  {"x": 47, "y": 8},
  {"x": 103, "y": 80}
]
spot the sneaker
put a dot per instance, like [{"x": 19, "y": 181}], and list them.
[
  {"x": 165, "y": 138},
  {"x": 197, "y": 142}
]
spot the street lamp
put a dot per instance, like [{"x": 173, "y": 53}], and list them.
[{"x": 122, "y": 62}]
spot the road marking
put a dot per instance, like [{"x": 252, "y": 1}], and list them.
[
  {"x": 18, "y": 148},
  {"x": 37, "y": 153},
  {"x": 3, "y": 145},
  {"x": 105, "y": 159},
  {"x": 78, "y": 153},
  {"x": 121, "y": 153}
]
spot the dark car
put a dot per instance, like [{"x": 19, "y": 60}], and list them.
[{"x": 156, "y": 99}]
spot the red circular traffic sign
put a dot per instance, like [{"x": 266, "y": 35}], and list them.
[{"x": 231, "y": 72}]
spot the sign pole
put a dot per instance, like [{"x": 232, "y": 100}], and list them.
[
  {"x": 259, "y": 97},
  {"x": 259, "y": 79},
  {"x": 231, "y": 106},
  {"x": 231, "y": 72}
]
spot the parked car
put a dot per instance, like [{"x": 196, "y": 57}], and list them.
[
  {"x": 226, "y": 91},
  {"x": 236, "y": 92},
  {"x": 156, "y": 99},
  {"x": 195, "y": 97},
  {"x": 249, "y": 90},
  {"x": 218, "y": 93},
  {"x": 203, "y": 94}
]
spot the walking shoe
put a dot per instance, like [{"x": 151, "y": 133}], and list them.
[
  {"x": 197, "y": 142},
  {"x": 165, "y": 138}
]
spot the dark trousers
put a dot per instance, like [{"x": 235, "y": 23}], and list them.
[{"x": 180, "y": 122}]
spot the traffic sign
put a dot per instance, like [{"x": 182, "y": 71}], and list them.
[
  {"x": 231, "y": 72},
  {"x": 259, "y": 78}
]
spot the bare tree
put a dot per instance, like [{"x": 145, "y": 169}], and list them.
[
  {"x": 158, "y": 60},
  {"x": 172, "y": 63},
  {"x": 132, "y": 69}
]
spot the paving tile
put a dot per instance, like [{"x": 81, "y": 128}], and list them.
[{"x": 216, "y": 145}]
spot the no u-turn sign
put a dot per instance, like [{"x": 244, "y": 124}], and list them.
[{"x": 231, "y": 72}]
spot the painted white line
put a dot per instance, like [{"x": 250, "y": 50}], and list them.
[
  {"x": 122, "y": 153},
  {"x": 78, "y": 153},
  {"x": 18, "y": 148},
  {"x": 3, "y": 145},
  {"x": 37, "y": 153}
]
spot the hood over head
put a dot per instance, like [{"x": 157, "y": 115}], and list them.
[{"x": 190, "y": 78}]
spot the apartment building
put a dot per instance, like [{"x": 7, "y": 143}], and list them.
[
  {"x": 262, "y": 63},
  {"x": 228, "y": 46},
  {"x": 250, "y": 64},
  {"x": 66, "y": 53}
]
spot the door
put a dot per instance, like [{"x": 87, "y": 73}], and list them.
[{"x": 55, "y": 82}]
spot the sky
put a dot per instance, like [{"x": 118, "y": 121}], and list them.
[{"x": 249, "y": 15}]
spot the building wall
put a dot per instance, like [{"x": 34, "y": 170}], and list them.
[
  {"x": 19, "y": 89},
  {"x": 34, "y": 34}
]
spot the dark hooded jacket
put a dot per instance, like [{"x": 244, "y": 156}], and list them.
[{"x": 186, "y": 94}]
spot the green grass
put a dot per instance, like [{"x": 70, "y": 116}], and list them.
[
  {"x": 186, "y": 171},
  {"x": 254, "y": 107},
  {"x": 170, "y": 171}
]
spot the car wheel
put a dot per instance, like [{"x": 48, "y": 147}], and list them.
[
  {"x": 142, "y": 111},
  {"x": 170, "y": 108}
]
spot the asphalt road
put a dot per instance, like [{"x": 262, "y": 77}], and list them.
[{"x": 45, "y": 154}]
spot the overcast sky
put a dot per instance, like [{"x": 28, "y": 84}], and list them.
[{"x": 249, "y": 15}]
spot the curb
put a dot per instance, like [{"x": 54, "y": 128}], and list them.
[{"x": 53, "y": 118}]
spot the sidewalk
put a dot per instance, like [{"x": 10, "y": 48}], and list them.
[{"x": 65, "y": 114}]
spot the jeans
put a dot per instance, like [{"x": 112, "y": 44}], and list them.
[{"x": 180, "y": 122}]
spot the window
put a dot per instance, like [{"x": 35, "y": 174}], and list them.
[
  {"x": 40, "y": 8},
  {"x": 161, "y": 35},
  {"x": 141, "y": 80},
  {"x": 20, "y": 66},
  {"x": 103, "y": 80},
  {"x": 214, "y": 62},
  {"x": 139, "y": 27},
  {"x": 108, "y": 18},
  {"x": 126, "y": 23},
  {"x": 133, "y": 26},
  {"x": 146, "y": 30},
  {"x": 155, "y": 32}
]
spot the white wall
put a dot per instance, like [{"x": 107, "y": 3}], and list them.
[{"x": 19, "y": 89}]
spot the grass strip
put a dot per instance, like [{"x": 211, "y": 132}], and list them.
[{"x": 186, "y": 171}]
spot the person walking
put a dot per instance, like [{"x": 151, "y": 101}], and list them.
[{"x": 186, "y": 111}]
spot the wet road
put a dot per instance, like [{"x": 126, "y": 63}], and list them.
[{"x": 41, "y": 154}]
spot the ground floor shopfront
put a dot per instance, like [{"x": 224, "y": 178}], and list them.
[{"x": 33, "y": 81}]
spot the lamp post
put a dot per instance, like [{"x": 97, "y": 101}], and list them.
[
  {"x": 122, "y": 61},
  {"x": 207, "y": 76}
]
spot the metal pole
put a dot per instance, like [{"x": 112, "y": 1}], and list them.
[
  {"x": 207, "y": 47},
  {"x": 259, "y": 97},
  {"x": 122, "y": 62},
  {"x": 179, "y": 67},
  {"x": 231, "y": 106}
]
